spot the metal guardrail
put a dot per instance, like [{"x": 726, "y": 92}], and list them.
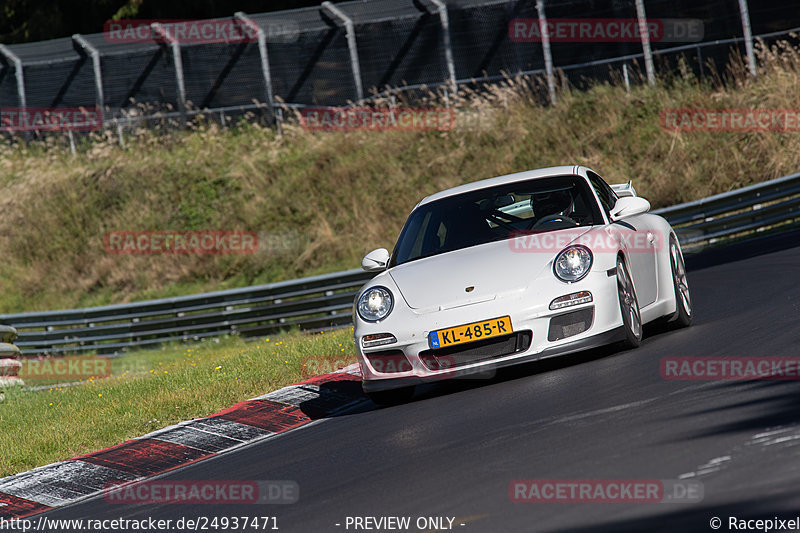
[
  {"x": 315, "y": 303},
  {"x": 325, "y": 302},
  {"x": 724, "y": 216}
]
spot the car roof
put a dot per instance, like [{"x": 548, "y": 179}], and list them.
[{"x": 564, "y": 170}]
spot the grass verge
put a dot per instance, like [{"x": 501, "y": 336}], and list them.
[{"x": 152, "y": 389}]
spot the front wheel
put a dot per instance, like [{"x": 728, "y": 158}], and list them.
[
  {"x": 683, "y": 301},
  {"x": 386, "y": 398},
  {"x": 628, "y": 306}
]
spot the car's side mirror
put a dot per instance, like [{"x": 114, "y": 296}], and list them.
[
  {"x": 376, "y": 260},
  {"x": 627, "y": 206}
]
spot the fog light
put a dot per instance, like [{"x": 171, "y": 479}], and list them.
[
  {"x": 576, "y": 298},
  {"x": 377, "y": 339}
]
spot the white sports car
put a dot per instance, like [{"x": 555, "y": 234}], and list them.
[{"x": 513, "y": 269}]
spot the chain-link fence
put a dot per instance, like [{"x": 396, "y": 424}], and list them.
[{"x": 340, "y": 53}]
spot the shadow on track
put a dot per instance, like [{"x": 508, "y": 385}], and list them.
[{"x": 776, "y": 406}]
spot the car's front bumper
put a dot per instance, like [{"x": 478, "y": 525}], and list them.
[{"x": 412, "y": 329}]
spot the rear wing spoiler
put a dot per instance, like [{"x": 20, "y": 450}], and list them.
[{"x": 624, "y": 189}]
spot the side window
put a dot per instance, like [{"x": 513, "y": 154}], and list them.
[{"x": 607, "y": 196}]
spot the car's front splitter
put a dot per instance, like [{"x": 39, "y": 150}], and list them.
[{"x": 585, "y": 343}]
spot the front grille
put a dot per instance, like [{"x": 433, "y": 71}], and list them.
[
  {"x": 569, "y": 324},
  {"x": 459, "y": 355}
]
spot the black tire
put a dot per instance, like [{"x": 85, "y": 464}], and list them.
[
  {"x": 683, "y": 300},
  {"x": 386, "y": 398},
  {"x": 628, "y": 307}
]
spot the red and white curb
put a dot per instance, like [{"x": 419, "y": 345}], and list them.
[{"x": 274, "y": 413}]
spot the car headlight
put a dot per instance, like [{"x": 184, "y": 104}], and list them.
[
  {"x": 375, "y": 304},
  {"x": 573, "y": 263}
]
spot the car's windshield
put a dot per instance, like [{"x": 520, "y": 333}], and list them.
[{"x": 496, "y": 213}]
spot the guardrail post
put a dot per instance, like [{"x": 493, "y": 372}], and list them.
[
  {"x": 748, "y": 37},
  {"x": 94, "y": 53},
  {"x": 14, "y": 58},
  {"x": 9, "y": 358},
  {"x": 335, "y": 12},
  {"x": 160, "y": 31},
  {"x": 548, "y": 56},
  {"x": 264, "y": 55},
  {"x": 645, "y": 34}
]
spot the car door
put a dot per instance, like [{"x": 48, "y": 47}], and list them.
[{"x": 639, "y": 240}]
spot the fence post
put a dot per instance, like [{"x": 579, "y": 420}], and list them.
[
  {"x": 700, "y": 61},
  {"x": 448, "y": 49},
  {"x": 335, "y": 12},
  {"x": 119, "y": 134},
  {"x": 264, "y": 55},
  {"x": 94, "y": 53},
  {"x": 160, "y": 31},
  {"x": 748, "y": 37},
  {"x": 71, "y": 138},
  {"x": 645, "y": 34},
  {"x": 9, "y": 358},
  {"x": 548, "y": 57},
  {"x": 626, "y": 78},
  {"x": 14, "y": 58}
]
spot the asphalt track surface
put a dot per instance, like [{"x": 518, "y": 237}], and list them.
[{"x": 601, "y": 414}]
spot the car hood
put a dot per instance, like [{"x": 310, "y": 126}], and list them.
[{"x": 492, "y": 270}]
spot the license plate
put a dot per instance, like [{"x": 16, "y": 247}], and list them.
[{"x": 471, "y": 332}]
